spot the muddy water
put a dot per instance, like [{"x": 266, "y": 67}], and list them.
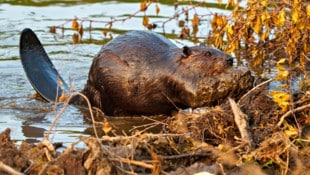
[{"x": 30, "y": 118}]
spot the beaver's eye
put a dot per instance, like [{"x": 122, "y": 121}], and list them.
[{"x": 207, "y": 54}]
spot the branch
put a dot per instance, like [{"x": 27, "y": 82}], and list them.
[
  {"x": 291, "y": 112},
  {"x": 133, "y": 162},
  {"x": 253, "y": 89},
  {"x": 9, "y": 169},
  {"x": 241, "y": 120}
]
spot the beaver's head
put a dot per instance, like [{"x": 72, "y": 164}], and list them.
[
  {"x": 208, "y": 76},
  {"x": 205, "y": 59}
]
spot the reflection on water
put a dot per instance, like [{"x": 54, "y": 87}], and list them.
[{"x": 29, "y": 118}]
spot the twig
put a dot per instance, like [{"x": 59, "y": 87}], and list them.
[
  {"x": 241, "y": 120},
  {"x": 288, "y": 113},
  {"x": 253, "y": 89},
  {"x": 66, "y": 104},
  {"x": 9, "y": 169},
  {"x": 185, "y": 155},
  {"x": 146, "y": 135},
  {"x": 133, "y": 162}
]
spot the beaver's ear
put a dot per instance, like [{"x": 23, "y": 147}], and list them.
[{"x": 186, "y": 51}]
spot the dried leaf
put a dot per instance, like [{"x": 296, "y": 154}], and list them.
[
  {"x": 281, "y": 98},
  {"x": 195, "y": 20},
  {"x": 263, "y": 3},
  {"x": 282, "y": 75},
  {"x": 281, "y": 18},
  {"x": 230, "y": 48},
  {"x": 53, "y": 29},
  {"x": 145, "y": 21},
  {"x": 308, "y": 10},
  {"x": 264, "y": 36},
  {"x": 105, "y": 32},
  {"x": 265, "y": 17},
  {"x": 291, "y": 131},
  {"x": 75, "y": 25},
  {"x": 229, "y": 29},
  {"x": 143, "y": 6},
  {"x": 75, "y": 38},
  {"x": 110, "y": 25},
  {"x": 157, "y": 9},
  {"x": 295, "y": 17},
  {"x": 184, "y": 32},
  {"x": 181, "y": 23},
  {"x": 106, "y": 128},
  {"x": 62, "y": 98},
  {"x": 81, "y": 31},
  {"x": 195, "y": 30},
  {"x": 257, "y": 25}
]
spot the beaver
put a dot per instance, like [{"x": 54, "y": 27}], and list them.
[{"x": 142, "y": 72}]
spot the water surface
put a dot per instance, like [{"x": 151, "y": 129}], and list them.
[{"x": 28, "y": 117}]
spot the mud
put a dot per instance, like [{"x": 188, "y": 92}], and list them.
[{"x": 188, "y": 143}]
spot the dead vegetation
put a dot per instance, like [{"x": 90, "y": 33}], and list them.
[{"x": 252, "y": 136}]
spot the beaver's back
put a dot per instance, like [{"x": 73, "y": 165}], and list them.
[
  {"x": 139, "y": 44},
  {"x": 125, "y": 75}
]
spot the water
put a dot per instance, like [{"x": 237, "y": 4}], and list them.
[{"x": 30, "y": 118}]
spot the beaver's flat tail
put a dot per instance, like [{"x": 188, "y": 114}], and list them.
[{"x": 39, "y": 69}]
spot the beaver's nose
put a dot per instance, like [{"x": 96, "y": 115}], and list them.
[{"x": 230, "y": 60}]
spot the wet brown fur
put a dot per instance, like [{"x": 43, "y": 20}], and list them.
[{"x": 142, "y": 72}]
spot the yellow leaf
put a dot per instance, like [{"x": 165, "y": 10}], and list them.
[
  {"x": 295, "y": 17},
  {"x": 106, "y": 128},
  {"x": 230, "y": 3},
  {"x": 291, "y": 131},
  {"x": 308, "y": 10},
  {"x": 281, "y": 63},
  {"x": 157, "y": 9},
  {"x": 219, "y": 2},
  {"x": 265, "y": 17},
  {"x": 145, "y": 21},
  {"x": 229, "y": 29},
  {"x": 264, "y": 35},
  {"x": 257, "y": 25},
  {"x": 281, "y": 18},
  {"x": 281, "y": 98},
  {"x": 230, "y": 49},
  {"x": 219, "y": 21},
  {"x": 264, "y": 3},
  {"x": 282, "y": 75}
]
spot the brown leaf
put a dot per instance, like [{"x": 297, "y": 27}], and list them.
[
  {"x": 53, "y": 29},
  {"x": 145, "y": 21},
  {"x": 181, "y": 23},
  {"x": 143, "y": 6},
  {"x": 75, "y": 38},
  {"x": 157, "y": 9},
  {"x": 75, "y": 25},
  {"x": 81, "y": 31},
  {"x": 105, "y": 32}
]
